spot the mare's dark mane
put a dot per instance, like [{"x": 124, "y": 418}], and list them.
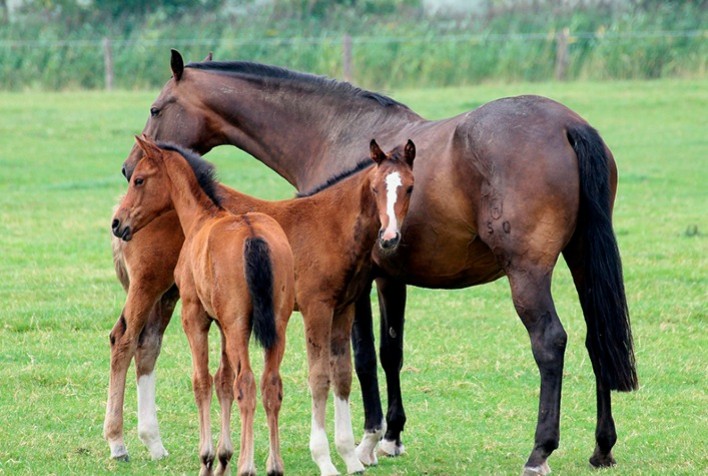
[
  {"x": 364, "y": 164},
  {"x": 268, "y": 72},
  {"x": 204, "y": 171}
]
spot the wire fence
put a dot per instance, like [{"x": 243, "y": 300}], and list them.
[{"x": 371, "y": 61}]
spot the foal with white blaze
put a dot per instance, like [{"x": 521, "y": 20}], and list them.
[{"x": 236, "y": 270}]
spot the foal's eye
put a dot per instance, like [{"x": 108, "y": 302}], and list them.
[
  {"x": 139, "y": 181},
  {"x": 375, "y": 190},
  {"x": 154, "y": 111},
  {"x": 409, "y": 190}
]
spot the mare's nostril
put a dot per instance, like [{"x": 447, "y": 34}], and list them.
[{"x": 124, "y": 172}]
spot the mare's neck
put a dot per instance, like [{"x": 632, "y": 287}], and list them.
[
  {"x": 191, "y": 204},
  {"x": 304, "y": 135}
]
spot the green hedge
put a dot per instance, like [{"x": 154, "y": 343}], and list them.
[{"x": 388, "y": 52}]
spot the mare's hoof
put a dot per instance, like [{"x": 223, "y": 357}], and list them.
[
  {"x": 541, "y": 470},
  {"x": 602, "y": 461}
]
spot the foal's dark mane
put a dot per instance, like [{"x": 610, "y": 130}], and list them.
[
  {"x": 203, "y": 170},
  {"x": 268, "y": 72},
  {"x": 364, "y": 164}
]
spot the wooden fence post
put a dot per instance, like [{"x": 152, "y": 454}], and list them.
[
  {"x": 108, "y": 63},
  {"x": 562, "y": 54},
  {"x": 347, "y": 58}
]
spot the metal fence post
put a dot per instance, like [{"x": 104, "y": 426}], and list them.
[{"x": 347, "y": 58}]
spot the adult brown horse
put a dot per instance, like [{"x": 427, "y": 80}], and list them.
[
  {"x": 502, "y": 190},
  {"x": 234, "y": 269}
]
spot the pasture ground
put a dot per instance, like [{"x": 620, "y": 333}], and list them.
[{"x": 469, "y": 381}]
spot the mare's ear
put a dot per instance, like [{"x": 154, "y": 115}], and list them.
[
  {"x": 148, "y": 146},
  {"x": 209, "y": 57},
  {"x": 409, "y": 152},
  {"x": 377, "y": 154},
  {"x": 176, "y": 64}
]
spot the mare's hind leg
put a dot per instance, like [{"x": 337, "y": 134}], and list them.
[
  {"x": 341, "y": 371},
  {"x": 366, "y": 370},
  {"x": 531, "y": 293},
  {"x": 605, "y": 433},
  {"x": 149, "y": 345},
  {"x": 392, "y": 303}
]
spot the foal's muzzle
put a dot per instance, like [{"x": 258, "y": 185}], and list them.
[
  {"x": 389, "y": 244},
  {"x": 124, "y": 233}
]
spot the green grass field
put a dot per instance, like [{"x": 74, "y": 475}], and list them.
[{"x": 469, "y": 381}]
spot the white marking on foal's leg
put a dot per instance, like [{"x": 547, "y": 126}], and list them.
[
  {"x": 393, "y": 181},
  {"x": 319, "y": 448},
  {"x": 148, "y": 429},
  {"x": 366, "y": 451},
  {"x": 344, "y": 435}
]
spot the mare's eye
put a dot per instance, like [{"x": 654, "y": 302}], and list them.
[
  {"x": 154, "y": 111},
  {"x": 139, "y": 181}
]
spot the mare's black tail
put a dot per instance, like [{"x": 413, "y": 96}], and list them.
[
  {"x": 601, "y": 290},
  {"x": 259, "y": 277}
]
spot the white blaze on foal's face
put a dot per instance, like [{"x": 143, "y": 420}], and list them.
[{"x": 393, "y": 182}]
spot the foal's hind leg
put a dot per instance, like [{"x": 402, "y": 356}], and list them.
[
  {"x": 531, "y": 292},
  {"x": 272, "y": 396},
  {"x": 124, "y": 342},
  {"x": 224, "y": 383},
  {"x": 149, "y": 345}
]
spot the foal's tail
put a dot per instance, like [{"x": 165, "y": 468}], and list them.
[
  {"x": 601, "y": 286},
  {"x": 259, "y": 277}
]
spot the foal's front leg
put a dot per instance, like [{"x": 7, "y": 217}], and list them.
[{"x": 341, "y": 368}]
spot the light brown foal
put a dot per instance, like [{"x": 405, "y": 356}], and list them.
[
  {"x": 234, "y": 269},
  {"x": 332, "y": 231}
]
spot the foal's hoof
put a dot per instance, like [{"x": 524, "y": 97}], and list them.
[
  {"x": 541, "y": 470},
  {"x": 391, "y": 448},
  {"x": 124, "y": 458}
]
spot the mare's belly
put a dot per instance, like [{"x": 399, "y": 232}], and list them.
[{"x": 440, "y": 257}]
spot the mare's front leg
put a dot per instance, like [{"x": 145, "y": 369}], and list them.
[
  {"x": 531, "y": 293},
  {"x": 341, "y": 371},
  {"x": 392, "y": 305},
  {"x": 318, "y": 328},
  {"x": 366, "y": 370},
  {"x": 149, "y": 345},
  {"x": 195, "y": 323}
]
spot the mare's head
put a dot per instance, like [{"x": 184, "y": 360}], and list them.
[
  {"x": 392, "y": 186},
  {"x": 177, "y": 116}
]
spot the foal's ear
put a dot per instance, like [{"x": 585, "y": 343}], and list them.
[
  {"x": 409, "y": 152},
  {"x": 148, "y": 146},
  {"x": 377, "y": 154},
  {"x": 209, "y": 57},
  {"x": 176, "y": 64}
]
